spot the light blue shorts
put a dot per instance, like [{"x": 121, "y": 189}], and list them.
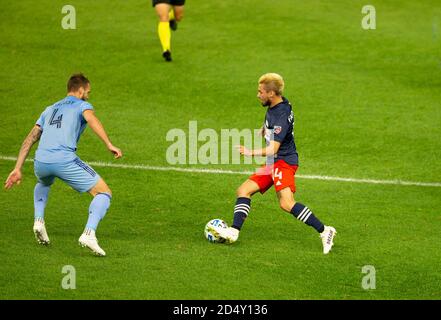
[{"x": 76, "y": 173}]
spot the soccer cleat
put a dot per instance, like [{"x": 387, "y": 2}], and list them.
[
  {"x": 173, "y": 24},
  {"x": 167, "y": 55},
  {"x": 91, "y": 242},
  {"x": 327, "y": 237},
  {"x": 40, "y": 233},
  {"x": 229, "y": 234}
]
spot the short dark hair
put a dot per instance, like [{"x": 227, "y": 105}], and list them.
[{"x": 76, "y": 82}]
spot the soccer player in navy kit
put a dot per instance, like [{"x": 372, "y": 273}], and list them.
[
  {"x": 280, "y": 169},
  {"x": 59, "y": 128}
]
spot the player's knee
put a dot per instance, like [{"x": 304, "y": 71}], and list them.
[
  {"x": 94, "y": 193},
  {"x": 239, "y": 192},
  {"x": 108, "y": 191},
  {"x": 100, "y": 187},
  {"x": 104, "y": 188},
  {"x": 242, "y": 192},
  {"x": 286, "y": 205},
  {"x": 179, "y": 16}
]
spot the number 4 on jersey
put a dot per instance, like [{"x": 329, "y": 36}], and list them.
[
  {"x": 56, "y": 121},
  {"x": 278, "y": 175}
]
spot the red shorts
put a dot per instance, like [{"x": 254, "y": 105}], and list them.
[{"x": 281, "y": 174}]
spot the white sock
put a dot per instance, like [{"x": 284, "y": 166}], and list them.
[{"x": 39, "y": 219}]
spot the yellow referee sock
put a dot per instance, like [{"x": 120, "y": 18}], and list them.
[{"x": 164, "y": 35}]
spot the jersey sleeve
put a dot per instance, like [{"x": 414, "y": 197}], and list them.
[
  {"x": 40, "y": 120},
  {"x": 281, "y": 127},
  {"x": 85, "y": 106}
]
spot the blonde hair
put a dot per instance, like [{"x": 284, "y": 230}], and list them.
[{"x": 272, "y": 82}]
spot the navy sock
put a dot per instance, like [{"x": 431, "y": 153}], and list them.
[
  {"x": 303, "y": 213},
  {"x": 241, "y": 210}
]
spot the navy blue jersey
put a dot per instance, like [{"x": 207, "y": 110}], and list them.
[{"x": 279, "y": 126}]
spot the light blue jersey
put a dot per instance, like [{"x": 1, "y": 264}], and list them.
[{"x": 62, "y": 125}]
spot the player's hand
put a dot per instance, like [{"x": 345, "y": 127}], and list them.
[
  {"x": 244, "y": 151},
  {"x": 13, "y": 178},
  {"x": 116, "y": 151}
]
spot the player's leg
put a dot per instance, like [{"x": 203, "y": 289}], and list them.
[
  {"x": 298, "y": 210},
  {"x": 178, "y": 12},
  {"x": 284, "y": 181},
  {"x": 176, "y": 15},
  {"x": 41, "y": 195},
  {"x": 81, "y": 177},
  {"x": 241, "y": 210},
  {"x": 102, "y": 196},
  {"x": 243, "y": 202},
  {"x": 163, "y": 11},
  {"x": 260, "y": 181},
  {"x": 304, "y": 214}
]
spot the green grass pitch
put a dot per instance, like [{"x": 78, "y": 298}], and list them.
[{"x": 367, "y": 106}]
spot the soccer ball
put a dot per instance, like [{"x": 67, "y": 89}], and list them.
[{"x": 210, "y": 236}]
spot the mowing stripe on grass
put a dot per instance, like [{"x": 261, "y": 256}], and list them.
[{"x": 219, "y": 171}]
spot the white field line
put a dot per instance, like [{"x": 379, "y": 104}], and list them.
[{"x": 218, "y": 171}]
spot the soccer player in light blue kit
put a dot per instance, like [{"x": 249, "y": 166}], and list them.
[{"x": 59, "y": 129}]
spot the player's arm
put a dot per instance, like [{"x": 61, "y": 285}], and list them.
[
  {"x": 97, "y": 127},
  {"x": 270, "y": 150},
  {"x": 16, "y": 175}
]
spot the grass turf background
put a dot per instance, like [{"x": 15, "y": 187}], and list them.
[{"x": 366, "y": 106}]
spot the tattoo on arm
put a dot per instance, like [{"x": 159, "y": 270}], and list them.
[
  {"x": 36, "y": 134},
  {"x": 32, "y": 137}
]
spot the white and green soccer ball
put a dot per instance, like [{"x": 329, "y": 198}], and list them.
[{"x": 209, "y": 235}]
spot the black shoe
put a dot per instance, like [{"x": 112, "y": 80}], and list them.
[
  {"x": 167, "y": 55},
  {"x": 173, "y": 24}
]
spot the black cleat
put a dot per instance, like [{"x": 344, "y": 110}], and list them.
[
  {"x": 167, "y": 55},
  {"x": 173, "y": 24}
]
